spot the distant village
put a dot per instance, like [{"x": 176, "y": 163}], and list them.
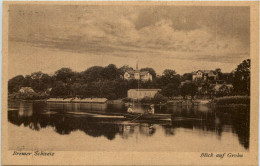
[{"x": 111, "y": 83}]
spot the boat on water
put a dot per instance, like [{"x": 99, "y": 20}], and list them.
[
  {"x": 124, "y": 116},
  {"x": 148, "y": 116}
]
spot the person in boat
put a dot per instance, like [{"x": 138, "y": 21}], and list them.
[
  {"x": 151, "y": 110},
  {"x": 130, "y": 109}
]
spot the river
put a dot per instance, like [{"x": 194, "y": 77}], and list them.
[{"x": 47, "y": 126}]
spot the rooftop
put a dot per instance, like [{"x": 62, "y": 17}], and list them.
[
  {"x": 146, "y": 89},
  {"x": 204, "y": 71},
  {"x": 132, "y": 72}
]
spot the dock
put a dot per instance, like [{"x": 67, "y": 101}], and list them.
[{"x": 77, "y": 100}]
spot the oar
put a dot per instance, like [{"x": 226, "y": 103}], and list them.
[{"x": 136, "y": 118}]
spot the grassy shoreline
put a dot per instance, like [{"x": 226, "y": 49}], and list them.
[{"x": 232, "y": 100}]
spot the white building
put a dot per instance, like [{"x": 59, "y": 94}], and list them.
[
  {"x": 138, "y": 75},
  {"x": 204, "y": 75},
  {"x": 26, "y": 90},
  {"x": 141, "y": 93}
]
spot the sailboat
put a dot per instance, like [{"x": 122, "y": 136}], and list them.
[
  {"x": 131, "y": 108},
  {"x": 147, "y": 115}
]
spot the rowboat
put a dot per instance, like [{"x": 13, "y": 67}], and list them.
[
  {"x": 148, "y": 116},
  {"x": 96, "y": 115},
  {"x": 127, "y": 116}
]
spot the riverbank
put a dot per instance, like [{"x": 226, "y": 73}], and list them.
[
  {"x": 65, "y": 100},
  {"x": 232, "y": 100},
  {"x": 228, "y": 101}
]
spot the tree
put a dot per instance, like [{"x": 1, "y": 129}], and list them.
[
  {"x": 27, "y": 81},
  {"x": 186, "y": 76},
  {"x": 60, "y": 89},
  {"x": 121, "y": 88},
  {"x": 40, "y": 81},
  {"x": 170, "y": 77},
  {"x": 189, "y": 89},
  {"x": 158, "y": 98},
  {"x": 218, "y": 70},
  {"x": 227, "y": 77},
  {"x": 94, "y": 73},
  {"x": 15, "y": 83},
  {"x": 224, "y": 90},
  {"x": 168, "y": 73},
  {"x": 110, "y": 72},
  {"x": 241, "y": 82},
  {"x": 170, "y": 90},
  {"x": 36, "y": 75},
  {"x": 76, "y": 89},
  {"x": 150, "y": 70},
  {"x": 205, "y": 88},
  {"x": 108, "y": 89},
  {"x": 124, "y": 69},
  {"x": 219, "y": 73},
  {"x": 77, "y": 78},
  {"x": 64, "y": 75},
  {"x": 132, "y": 84},
  {"x": 94, "y": 89}
]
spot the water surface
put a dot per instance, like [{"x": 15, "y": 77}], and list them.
[{"x": 63, "y": 126}]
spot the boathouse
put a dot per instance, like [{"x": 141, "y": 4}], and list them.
[
  {"x": 77, "y": 100},
  {"x": 141, "y": 93},
  {"x": 89, "y": 100}
]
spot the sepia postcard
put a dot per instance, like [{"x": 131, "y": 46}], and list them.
[{"x": 130, "y": 83}]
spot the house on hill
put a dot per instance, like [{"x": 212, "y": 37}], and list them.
[
  {"x": 138, "y": 75},
  {"x": 26, "y": 90},
  {"x": 204, "y": 75}
]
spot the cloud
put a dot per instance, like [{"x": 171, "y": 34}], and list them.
[{"x": 134, "y": 31}]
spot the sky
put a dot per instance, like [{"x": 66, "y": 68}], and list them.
[{"x": 183, "y": 38}]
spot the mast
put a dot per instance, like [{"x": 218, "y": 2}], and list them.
[
  {"x": 138, "y": 77},
  {"x": 136, "y": 64}
]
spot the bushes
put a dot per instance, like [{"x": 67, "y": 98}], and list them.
[
  {"x": 157, "y": 99},
  {"x": 146, "y": 100},
  {"x": 232, "y": 100},
  {"x": 127, "y": 100},
  {"x": 28, "y": 96}
]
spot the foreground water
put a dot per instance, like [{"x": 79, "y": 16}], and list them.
[{"x": 48, "y": 126}]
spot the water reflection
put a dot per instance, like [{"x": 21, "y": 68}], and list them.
[{"x": 207, "y": 121}]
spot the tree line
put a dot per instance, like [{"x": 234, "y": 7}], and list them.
[{"x": 108, "y": 82}]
